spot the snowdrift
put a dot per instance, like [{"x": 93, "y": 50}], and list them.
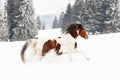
[{"x": 103, "y": 51}]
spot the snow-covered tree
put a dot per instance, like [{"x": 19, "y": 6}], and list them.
[
  {"x": 55, "y": 23},
  {"x": 61, "y": 19},
  {"x": 43, "y": 26},
  {"x": 67, "y": 17},
  {"x": 38, "y": 24},
  {"x": 105, "y": 13},
  {"x": 78, "y": 10},
  {"x": 96, "y": 15},
  {"x": 21, "y": 20},
  {"x": 3, "y": 26}
]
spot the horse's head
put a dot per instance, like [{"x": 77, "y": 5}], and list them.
[{"x": 76, "y": 29}]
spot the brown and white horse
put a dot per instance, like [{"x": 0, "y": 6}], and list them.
[{"x": 65, "y": 43}]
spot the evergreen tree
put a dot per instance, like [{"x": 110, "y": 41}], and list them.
[
  {"x": 43, "y": 27},
  {"x": 102, "y": 15},
  {"x": 90, "y": 13},
  {"x": 96, "y": 15},
  {"x": 61, "y": 19},
  {"x": 106, "y": 14},
  {"x": 55, "y": 23},
  {"x": 21, "y": 21},
  {"x": 3, "y": 26},
  {"x": 78, "y": 11},
  {"x": 38, "y": 24},
  {"x": 67, "y": 17}
]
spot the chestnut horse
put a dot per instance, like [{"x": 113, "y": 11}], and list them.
[{"x": 65, "y": 43}]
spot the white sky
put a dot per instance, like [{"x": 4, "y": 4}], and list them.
[{"x": 44, "y": 7}]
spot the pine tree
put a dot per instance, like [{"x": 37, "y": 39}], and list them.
[
  {"x": 67, "y": 17},
  {"x": 38, "y": 24},
  {"x": 61, "y": 19},
  {"x": 55, "y": 23},
  {"x": 96, "y": 15},
  {"x": 90, "y": 13},
  {"x": 116, "y": 16},
  {"x": 78, "y": 11},
  {"x": 3, "y": 26},
  {"x": 21, "y": 21},
  {"x": 43, "y": 26},
  {"x": 106, "y": 16}
]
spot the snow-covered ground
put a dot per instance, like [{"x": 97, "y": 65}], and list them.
[{"x": 103, "y": 51}]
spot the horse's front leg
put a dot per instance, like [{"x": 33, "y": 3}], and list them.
[{"x": 57, "y": 49}]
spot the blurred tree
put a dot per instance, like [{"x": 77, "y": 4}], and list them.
[{"x": 21, "y": 22}]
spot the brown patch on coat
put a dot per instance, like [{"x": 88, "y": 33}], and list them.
[{"x": 48, "y": 45}]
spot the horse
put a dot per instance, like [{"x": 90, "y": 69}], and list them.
[{"x": 65, "y": 43}]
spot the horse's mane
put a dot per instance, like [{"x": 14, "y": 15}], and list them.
[{"x": 73, "y": 26}]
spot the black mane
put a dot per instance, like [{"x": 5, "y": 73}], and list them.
[{"x": 73, "y": 26}]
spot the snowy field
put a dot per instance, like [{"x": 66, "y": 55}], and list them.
[{"x": 104, "y": 63}]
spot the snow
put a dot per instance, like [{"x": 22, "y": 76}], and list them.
[{"x": 103, "y": 51}]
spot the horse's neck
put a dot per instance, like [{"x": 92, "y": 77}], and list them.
[
  {"x": 67, "y": 35},
  {"x": 66, "y": 38}
]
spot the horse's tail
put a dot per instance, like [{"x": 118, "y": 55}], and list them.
[{"x": 24, "y": 49}]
